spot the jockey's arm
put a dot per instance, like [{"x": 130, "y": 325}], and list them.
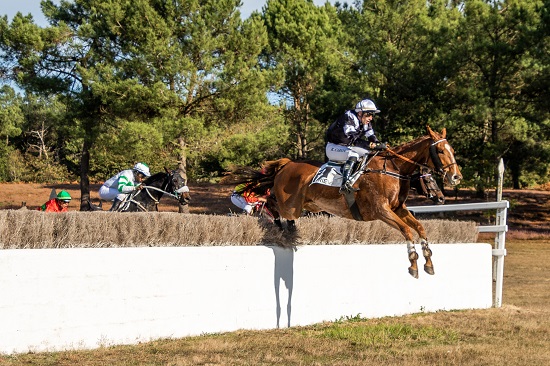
[{"x": 125, "y": 185}]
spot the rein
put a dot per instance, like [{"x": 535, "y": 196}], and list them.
[
  {"x": 164, "y": 192},
  {"x": 404, "y": 158},
  {"x": 155, "y": 201}
]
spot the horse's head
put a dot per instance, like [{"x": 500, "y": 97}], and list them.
[
  {"x": 442, "y": 157},
  {"x": 178, "y": 186},
  {"x": 425, "y": 184}
]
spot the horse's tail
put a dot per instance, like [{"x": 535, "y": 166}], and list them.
[{"x": 257, "y": 181}]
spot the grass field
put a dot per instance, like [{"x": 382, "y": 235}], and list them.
[{"x": 516, "y": 334}]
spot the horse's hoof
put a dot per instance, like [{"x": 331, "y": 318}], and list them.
[
  {"x": 429, "y": 270},
  {"x": 413, "y": 272}
]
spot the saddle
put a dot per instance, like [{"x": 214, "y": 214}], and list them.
[{"x": 330, "y": 173}]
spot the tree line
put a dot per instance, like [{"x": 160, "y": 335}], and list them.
[{"x": 190, "y": 83}]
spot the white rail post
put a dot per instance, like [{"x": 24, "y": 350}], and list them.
[
  {"x": 500, "y": 179},
  {"x": 500, "y": 240}
]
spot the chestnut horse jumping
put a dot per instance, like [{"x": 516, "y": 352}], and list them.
[{"x": 383, "y": 184}]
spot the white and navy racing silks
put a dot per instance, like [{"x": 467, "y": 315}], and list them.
[
  {"x": 347, "y": 130},
  {"x": 123, "y": 181}
]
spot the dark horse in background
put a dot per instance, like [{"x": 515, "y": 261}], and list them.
[
  {"x": 168, "y": 183},
  {"x": 425, "y": 184},
  {"x": 383, "y": 186}
]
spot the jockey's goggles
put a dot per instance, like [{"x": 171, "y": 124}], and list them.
[{"x": 65, "y": 201}]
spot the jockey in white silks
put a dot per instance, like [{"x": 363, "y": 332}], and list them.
[
  {"x": 345, "y": 139},
  {"x": 127, "y": 181}
]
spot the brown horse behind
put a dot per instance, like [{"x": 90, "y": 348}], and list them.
[{"x": 383, "y": 188}]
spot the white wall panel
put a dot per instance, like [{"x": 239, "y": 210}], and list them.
[{"x": 55, "y": 299}]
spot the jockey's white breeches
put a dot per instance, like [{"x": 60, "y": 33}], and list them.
[
  {"x": 340, "y": 153},
  {"x": 241, "y": 203},
  {"x": 110, "y": 193}
]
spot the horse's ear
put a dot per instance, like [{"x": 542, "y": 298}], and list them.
[
  {"x": 166, "y": 170},
  {"x": 430, "y": 132},
  {"x": 444, "y": 133}
]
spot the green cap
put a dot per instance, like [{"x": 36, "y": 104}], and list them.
[{"x": 64, "y": 195}]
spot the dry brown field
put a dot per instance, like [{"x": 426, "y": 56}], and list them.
[{"x": 518, "y": 333}]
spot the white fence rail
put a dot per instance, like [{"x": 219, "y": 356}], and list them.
[{"x": 500, "y": 228}]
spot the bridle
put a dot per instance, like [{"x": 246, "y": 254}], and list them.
[
  {"x": 439, "y": 168},
  {"x": 438, "y": 165}
]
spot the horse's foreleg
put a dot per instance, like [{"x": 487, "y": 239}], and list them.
[
  {"x": 427, "y": 252},
  {"x": 413, "y": 258},
  {"x": 392, "y": 219},
  {"x": 411, "y": 221}
]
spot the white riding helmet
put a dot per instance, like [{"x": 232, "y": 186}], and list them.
[
  {"x": 366, "y": 105},
  {"x": 143, "y": 169}
]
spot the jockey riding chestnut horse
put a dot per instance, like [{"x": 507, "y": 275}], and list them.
[{"x": 380, "y": 185}]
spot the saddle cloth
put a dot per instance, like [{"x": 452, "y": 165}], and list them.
[{"x": 329, "y": 174}]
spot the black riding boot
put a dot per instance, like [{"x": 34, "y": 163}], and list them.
[
  {"x": 346, "y": 172},
  {"x": 116, "y": 204}
]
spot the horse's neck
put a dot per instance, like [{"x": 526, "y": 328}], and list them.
[
  {"x": 161, "y": 185},
  {"x": 416, "y": 151}
]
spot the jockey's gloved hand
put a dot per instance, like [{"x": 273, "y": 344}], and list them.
[{"x": 378, "y": 145}]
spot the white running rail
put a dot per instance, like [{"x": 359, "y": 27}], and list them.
[{"x": 500, "y": 228}]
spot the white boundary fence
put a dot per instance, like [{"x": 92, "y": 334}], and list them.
[{"x": 500, "y": 228}]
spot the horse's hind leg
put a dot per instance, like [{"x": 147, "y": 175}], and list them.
[
  {"x": 271, "y": 205},
  {"x": 278, "y": 222},
  {"x": 291, "y": 225}
]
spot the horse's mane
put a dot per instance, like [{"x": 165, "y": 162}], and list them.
[
  {"x": 154, "y": 178},
  {"x": 408, "y": 145}
]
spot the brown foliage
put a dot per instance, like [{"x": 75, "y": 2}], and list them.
[{"x": 33, "y": 229}]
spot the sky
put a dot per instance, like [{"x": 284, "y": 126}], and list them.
[{"x": 11, "y": 7}]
